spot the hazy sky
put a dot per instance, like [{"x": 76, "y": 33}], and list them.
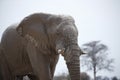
[{"x": 95, "y": 20}]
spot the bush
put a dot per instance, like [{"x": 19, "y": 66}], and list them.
[{"x": 84, "y": 76}]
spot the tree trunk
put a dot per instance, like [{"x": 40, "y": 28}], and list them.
[{"x": 94, "y": 67}]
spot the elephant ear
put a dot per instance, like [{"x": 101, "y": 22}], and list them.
[
  {"x": 32, "y": 52},
  {"x": 23, "y": 27}
]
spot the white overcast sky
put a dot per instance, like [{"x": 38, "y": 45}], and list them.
[{"x": 95, "y": 20}]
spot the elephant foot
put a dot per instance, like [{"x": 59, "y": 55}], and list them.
[
  {"x": 19, "y": 77},
  {"x": 32, "y": 77}
]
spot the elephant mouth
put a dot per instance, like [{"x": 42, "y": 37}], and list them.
[{"x": 31, "y": 39}]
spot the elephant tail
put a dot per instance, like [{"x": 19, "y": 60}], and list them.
[{"x": 4, "y": 70}]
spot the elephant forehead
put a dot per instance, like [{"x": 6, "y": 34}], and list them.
[
  {"x": 69, "y": 32},
  {"x": 52, "y": 29}
]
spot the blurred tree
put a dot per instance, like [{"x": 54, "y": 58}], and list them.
[
  {"x": 68, "y": 77},
  {"x": 114, "y": 78},
  {"x": 99, "y": 78},
  {"x": 64, "y": 76},
  {"x": 96, "y": 57},
  {"x": 84, "y": 76},
  {"x": 106, "y": 78}
]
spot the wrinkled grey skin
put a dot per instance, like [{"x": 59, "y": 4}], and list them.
[{"x": 33, "y": 46}]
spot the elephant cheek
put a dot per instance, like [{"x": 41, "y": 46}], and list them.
[{"x": 74, "y": 66}]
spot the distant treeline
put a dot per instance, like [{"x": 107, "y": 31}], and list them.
[{"x": 84, "y": 76}]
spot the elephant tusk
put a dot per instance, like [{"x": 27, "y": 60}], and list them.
[{"x": 61, "y": 51}]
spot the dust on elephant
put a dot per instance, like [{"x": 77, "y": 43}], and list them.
[{"x": 34, "y": 45}]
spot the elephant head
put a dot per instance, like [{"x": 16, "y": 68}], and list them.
[
  {"x": 54, "y": 33},
  {"x": 68, "y": 47}
]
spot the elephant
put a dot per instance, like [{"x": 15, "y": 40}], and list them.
[{"x": 32, "y": 47}]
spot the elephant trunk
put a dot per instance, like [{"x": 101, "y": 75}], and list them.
[{"x": 73, "y": 64}]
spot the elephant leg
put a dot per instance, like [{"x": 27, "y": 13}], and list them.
[
  {"x": 32, "y": 77},
  {"x": 40, "y": 63},
  {"x": 53, "y": 65},
  {"x": 19, "y": 77},
  {"x": 41, "y": 68},
  {"x": 5, "y": 73}
]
